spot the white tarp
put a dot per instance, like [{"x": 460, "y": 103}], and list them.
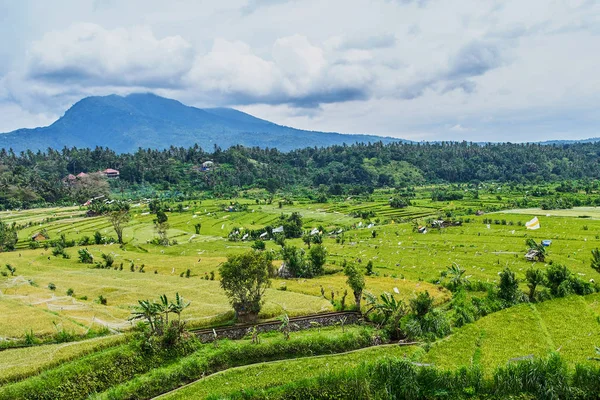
[{"x": 533, "y": 224}]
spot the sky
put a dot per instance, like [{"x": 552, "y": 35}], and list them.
[{"x": 475, "y": 70}]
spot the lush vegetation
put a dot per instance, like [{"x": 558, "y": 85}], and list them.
[
  {"x": 33, "y": 179},
  {"x": 448, "y": 269}
]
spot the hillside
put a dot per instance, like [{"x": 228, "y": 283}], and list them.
[{"x": 145, "y": 120}]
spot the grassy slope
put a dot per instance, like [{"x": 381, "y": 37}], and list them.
[
  {"x": 570, "y": 326},
  {"x": 280, "y": 372},
  {"x": 20, "y": 363}
]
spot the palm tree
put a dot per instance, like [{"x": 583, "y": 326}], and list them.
[
  {"x": 457, "y": 277},
  {"x": 178, "y": 306},
  {"x": 534, "y": 277},
  {"x": 164, "y": 307},
  {"x": 539, "y": 249},
  {"x": 146, "y": 310}
]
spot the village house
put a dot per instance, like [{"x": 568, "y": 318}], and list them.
[{"x": 110, "y": 173}]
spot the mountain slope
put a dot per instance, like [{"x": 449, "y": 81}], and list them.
[{"x": 150, "y": 121}]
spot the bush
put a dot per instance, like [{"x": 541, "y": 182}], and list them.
[
  {"x": 556, "y": 275},
  {"x": 85, "y": 256},
  {"x": 209, "y": 359},
  {"x": 508, "y": 288}
]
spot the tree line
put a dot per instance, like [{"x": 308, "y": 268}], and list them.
[{"x": 31, "y": 178}]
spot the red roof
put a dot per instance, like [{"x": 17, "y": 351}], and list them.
[
  {"x": 81, "y": 174},
  {"x": 110, "y": 171}
]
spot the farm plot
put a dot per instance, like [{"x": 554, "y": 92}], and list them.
[{"x": 567, "y": 326}]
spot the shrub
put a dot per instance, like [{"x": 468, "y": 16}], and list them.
[
  {"x": 556, "y": 275},
  {"x": 508, "y": 288},
  {"x": 85, "y": 256}
]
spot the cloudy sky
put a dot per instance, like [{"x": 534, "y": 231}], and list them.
[{"x": 416, "y": 69}]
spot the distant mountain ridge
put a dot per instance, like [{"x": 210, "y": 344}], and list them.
[{"x": 149, "y": 121}]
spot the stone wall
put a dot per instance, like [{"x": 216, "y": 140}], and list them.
[{"x": 296, "y": 324}]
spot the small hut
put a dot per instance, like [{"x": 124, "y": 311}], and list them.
[{"x": 39, "y": 237}]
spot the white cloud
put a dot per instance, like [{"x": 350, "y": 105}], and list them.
[
  {"x": 418, "y": 69},
  {"x": 89, "y": 54}
]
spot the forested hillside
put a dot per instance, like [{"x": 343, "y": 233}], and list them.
[{"x": 29, "y": 179}]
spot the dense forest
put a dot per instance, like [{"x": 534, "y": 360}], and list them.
[{"x": 30, "y": 179}]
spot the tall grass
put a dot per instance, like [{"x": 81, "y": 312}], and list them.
[
  {"x": 209, "y": 359},
  {"x": 547, "y": 378}
]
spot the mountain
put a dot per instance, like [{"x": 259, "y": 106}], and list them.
[
  {"x": 145, "y": 120},
  {"x": 562, "y": 142}
]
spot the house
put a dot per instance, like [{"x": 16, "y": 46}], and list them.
[
  {"x": 39, "y": 237},
  {"x": 81, "y": 175},
  {"x": 207, "y": 165},
  {"x": 110, "y": 173}
]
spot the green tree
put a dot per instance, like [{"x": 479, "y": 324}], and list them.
[
  {"x": 596, "y": 260},
  {"x": 161, "y": 225},
  {"x": 356, "y": 281},
  {"x": 244, "y": 278},
  {"x": 119, "y": 217},
  {"x": 534, "y": 277},
  {"x": 293, "y": 258},
  {"x": 421, "y": 304},
  {"x": 85, "y": 256},
  {"x": 558, "y": 276},
  {"x": 8, "y": 236},
  {"x": 317, "y": 256},
  {"x": 508, "y": 287}
]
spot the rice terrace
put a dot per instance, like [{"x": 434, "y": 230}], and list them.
[{"x": 296, "y": 200}]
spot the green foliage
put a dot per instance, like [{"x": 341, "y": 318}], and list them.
[
  {"x": 119, "y": 217},
  {"x": 85, "y": 256},
  {"x": 421, "y": 304},
  {"x": 317, "y": 256},
  {"x": 539, "y": 248},
  {"x": 508, "y": 288},
  {"x": 292, "y": 225},
  {"x": 356, "y": 281},
  {"x": 445, "y": 195},
  {"x": 109, "y": 260},
  {"x": 60, "y": 251},
  {"x": 596, "y": 260},
  {"x": 399, "y": 202},
  {"x": 369, "y": 268},
  {"x": 534, "y": 277},
  {"x": 209, "y": 359},
  {"x": 457, "y": 276},
  {"x": 399, "y": 378},
  {"x": 558, "y": 277},
  {"x": 10, "y": 269},
  {"x": 244, "y": 278},
  {"x": 8, "y": 236}
]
